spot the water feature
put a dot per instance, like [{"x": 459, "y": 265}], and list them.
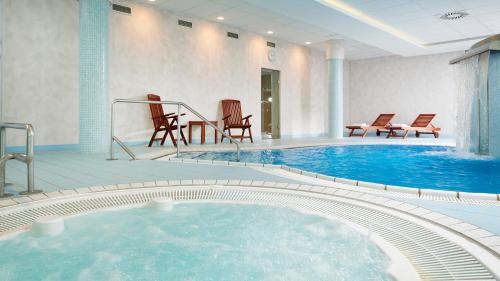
[{"x": 478, "y": 98}]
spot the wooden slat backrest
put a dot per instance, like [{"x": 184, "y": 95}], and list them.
[
  {"x": 423, "y": 120},
  {"x": 233, "y": 108},
  {"x": 156, "y": 111},
  {"x": 383, "y": 119}
]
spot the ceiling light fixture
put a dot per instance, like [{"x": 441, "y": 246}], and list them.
[
  {"x": 220, "y": 18},
  {"x": 455, "y": 15},
  {"x": 270, "y": 32},
  {"x": 357, "y": 14},
  {"x": 308, "y": 43},
  {"x": 152, "y": 0}
]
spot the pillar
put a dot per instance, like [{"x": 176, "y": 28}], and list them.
[
  {"x": 335, "y": 59},
  {"x": 94, "y": 109}
]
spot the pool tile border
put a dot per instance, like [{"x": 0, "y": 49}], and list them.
[
  {"x": 432, "y": 194},
  {"x": 472, "y": 232}
]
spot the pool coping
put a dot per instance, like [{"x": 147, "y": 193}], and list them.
[
  {"x": 427, "y": 193},
  {"x": 476, "y": 235}
]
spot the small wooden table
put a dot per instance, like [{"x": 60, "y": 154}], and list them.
[{"x": 203, "y": 124}]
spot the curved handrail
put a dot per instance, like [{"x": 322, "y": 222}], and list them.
[
  {"x": 26, "y": 158},
  {"x": 113, "y": 138}
]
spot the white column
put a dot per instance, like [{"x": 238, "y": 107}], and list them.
[{"x": 335, "y": 61}]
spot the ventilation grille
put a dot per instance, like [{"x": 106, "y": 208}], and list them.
[
  {"x": 232, "y": 35},
  {"x": 455, "y": 15},
  {"x": 185, "y": 23},
  {"x": 122, "y": 9},
  {"x": 271, "y": 44}
]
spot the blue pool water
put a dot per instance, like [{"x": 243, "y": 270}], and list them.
[
  {"x": 412, "y": 166},
  {"x": 195, "y": 242}
]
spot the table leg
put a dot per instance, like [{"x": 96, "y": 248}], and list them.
[
  {"x": 203, "y": 133},
  {"x": 190, "y": 133}
]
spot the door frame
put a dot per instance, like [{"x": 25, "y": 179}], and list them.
[{"x": 276, "y": 101}]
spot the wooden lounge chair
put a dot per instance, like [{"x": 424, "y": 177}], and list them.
[
  {"x": 231, "y": 110},
  {"x": 379, "y": 124},
  {"x": 421, "y": 125},
  {"x": 163, "y": 122}
]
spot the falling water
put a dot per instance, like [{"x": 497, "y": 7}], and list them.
[{"x": 466, "y": 127}]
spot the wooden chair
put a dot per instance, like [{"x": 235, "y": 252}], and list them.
[
  {"x": 163, "y": 122},
  {"x": 379, "y": 124},
  {"x": 421, "y": 125},
  {"x": 231, "y": 110}
]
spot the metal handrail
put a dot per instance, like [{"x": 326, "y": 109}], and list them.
[
  {"x": 114, "y": 138},
  {"x": 27, "y": 158}
]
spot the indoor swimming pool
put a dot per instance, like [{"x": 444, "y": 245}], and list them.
[
  {"x": 434, "y": 167},
  {"x": 196, "y": 242}
]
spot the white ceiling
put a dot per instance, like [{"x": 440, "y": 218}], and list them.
[{"x": 299, "y": 21}]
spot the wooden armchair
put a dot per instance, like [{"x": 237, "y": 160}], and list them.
[
  {"x": 232, "y": 118},
  {"x": 163, "y": 122}
]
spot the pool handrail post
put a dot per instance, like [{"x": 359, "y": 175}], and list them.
[
  {"x": 27, "y": 157},
  {"x": 114, "y": 138}
]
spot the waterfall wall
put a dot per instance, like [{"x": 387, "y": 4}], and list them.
[{"x": 477, "y": 75}]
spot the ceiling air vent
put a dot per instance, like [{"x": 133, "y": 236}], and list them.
[
  {"x": 232, "y": 35},
  {"x": 122, "y": 9},
  {"x": 185, "y": 23},
  {"x": 454, "y": 15},
  {"x": 271, "y": 44}
]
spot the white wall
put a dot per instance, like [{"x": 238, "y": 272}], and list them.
[
  {"x": 40, "y": 69},
  {"x": 201, "y": 66},
  {"x": 406, "y": 86},
  {"x": 149, "y": 52}
]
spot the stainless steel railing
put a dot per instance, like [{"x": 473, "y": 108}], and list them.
[
  {"x": 114, "y": 138},
  {"x": 27, "y": 157}
]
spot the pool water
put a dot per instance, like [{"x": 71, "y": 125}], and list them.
[
  {"x": 195, "y": 242},
  {"x": 433, "y": 167}
]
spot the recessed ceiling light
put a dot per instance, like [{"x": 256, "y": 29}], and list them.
[
  {"x": 220, "y": 18},
  {"x": 454, "y": 15},
  {"x": 270, "y": 32},
  {"x": 308, "y": 43},
  {"x": 152, "y": 0}
]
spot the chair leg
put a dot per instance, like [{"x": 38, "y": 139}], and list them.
[
  {"x": 183, "y": 138},
  {"x": 242, "y": 134},
  {"x": 250, "y": 133},
  {"x": 365, "y": 132},
  {"x": 436, "y": 134},
  {"x": 152, "y": 139},
  {"x": 417, "y": 134},
  {"x": 351, "y": 132},
  {"x": 229, "y": 133},
  {"x": 164, "y": 138},
  {"x": 378, "y": 132},
  {"x": 405, "y": 134},
  {"x": 172, "y": 137}
]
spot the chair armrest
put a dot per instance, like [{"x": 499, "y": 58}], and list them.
[
  {"x": 166, "y": 115},
  {"x": 225, "y": 117},
  {"x": 174, "y": 116},
  {"x": 246, "y": 117}
]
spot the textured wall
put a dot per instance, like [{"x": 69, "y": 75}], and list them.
[
  {"x": 148, "y": 52},
  {"x": 40, "y": 69},
  {"x": 405, "y": 86},
  {"x": 200, "y": 66}
]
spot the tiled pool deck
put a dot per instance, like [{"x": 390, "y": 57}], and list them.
[{"x": 68, "y": 170}]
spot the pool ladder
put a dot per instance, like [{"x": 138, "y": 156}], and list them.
[{"x": 27, "y": 157}]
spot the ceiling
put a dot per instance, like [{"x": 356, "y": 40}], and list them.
[{"x": 398, "y": 23}]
